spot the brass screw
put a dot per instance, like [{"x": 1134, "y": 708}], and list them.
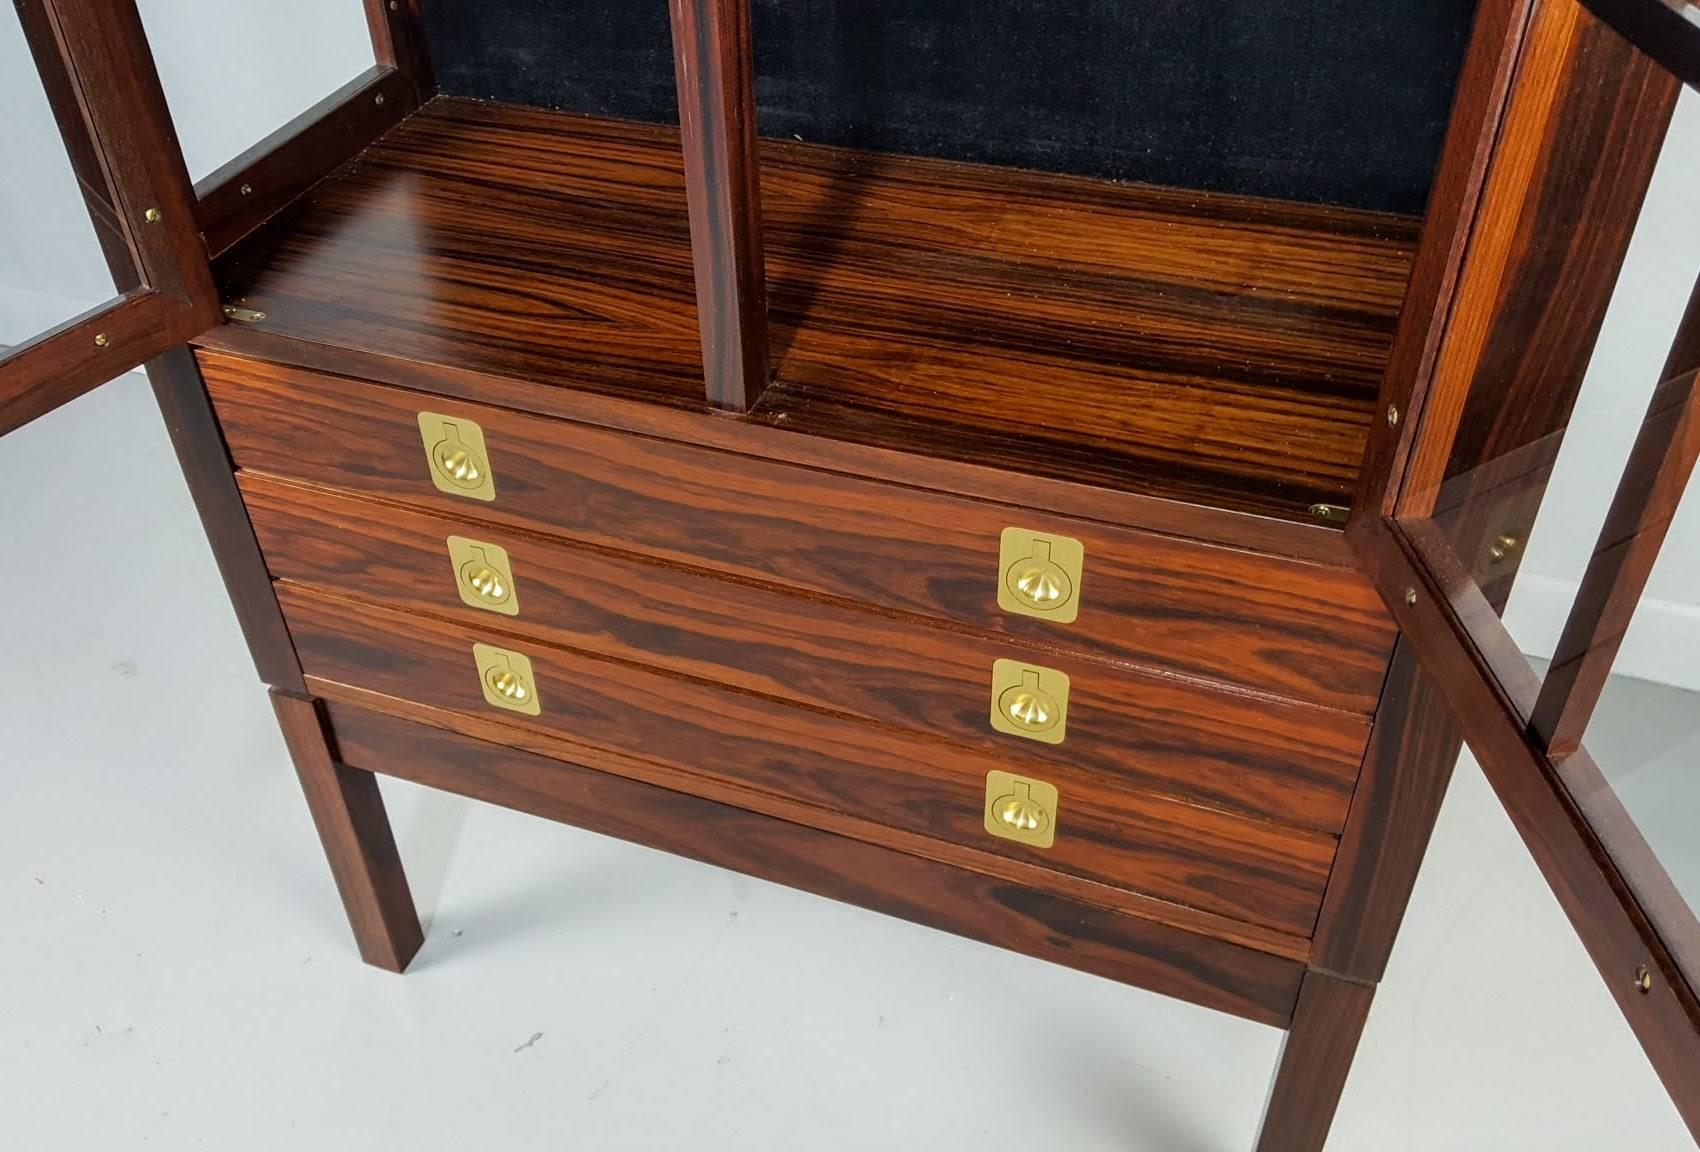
[
  {"x": 1393, "y": 415},
  {"x": 152, "y": 216},
  {"x": 1643, "y": 979},
  {"x": 246, "y": 189},
  {"x": 100, "y": 340},
  {"x": 1411, "y": 596},
  {"x": 378, "y": 100}
]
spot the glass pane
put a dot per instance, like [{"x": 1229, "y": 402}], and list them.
[
  {"x": 1646, "y": 734},
  {"x": 235, "y": 71},
  {"x": 52, "y": 266}
]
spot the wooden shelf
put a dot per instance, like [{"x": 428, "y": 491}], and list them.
[{"x": 1210, "y": 349}]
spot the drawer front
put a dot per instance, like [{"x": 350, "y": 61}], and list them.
[
  {"x": 862, "y": 773},
  {"x": 1280, "y": 760},
  {"x": 1266, "y": 623}
]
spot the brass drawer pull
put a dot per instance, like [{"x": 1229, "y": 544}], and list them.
[
  {"x": 456, "y": 456},
  {"x": 506, "y": 679},
  {"x": 1039, "y": 575},
  {"x": 1029, "y": 701},
  {"x": 484, "y": 576},
  {"x": 1021, "y": 808}
]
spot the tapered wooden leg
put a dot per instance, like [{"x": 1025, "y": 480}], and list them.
[
  {"x": 1314, "y": 1061},
  {"x": 355, "y": 831}
]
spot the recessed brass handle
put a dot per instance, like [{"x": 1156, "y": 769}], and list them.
[
  {"x": 1029, "y": 701},
  {"x": 1021, "y": 808},
  {"x": 506, "y": 679},
  {"x": 484, "y": 575},
  {"x": 1039, "y": 575},
  {"x": 456, "y": 456}
]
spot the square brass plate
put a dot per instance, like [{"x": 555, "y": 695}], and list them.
[
  {"x": 1029, "y": 701},
  {"x": 506, "y": 679},
  {"x": 455, "y": 456},
  {"x": 483, "y": 575},
  {"x": 1039, "y": 574},
  {"x": 1021, "y": 808}
]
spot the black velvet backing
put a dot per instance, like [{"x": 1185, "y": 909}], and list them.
[{"x": 1338, "y": 101}]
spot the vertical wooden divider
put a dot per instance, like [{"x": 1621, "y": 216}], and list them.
[{"x": 715, "y": 71}]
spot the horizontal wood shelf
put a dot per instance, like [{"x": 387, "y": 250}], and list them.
[{"x": 1210, "y": 349}]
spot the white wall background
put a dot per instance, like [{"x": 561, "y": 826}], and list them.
[{"x": 1664, "y": 642}]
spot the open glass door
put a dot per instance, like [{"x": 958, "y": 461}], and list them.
[
  {"x": 88, "y": 134},
  {"x": 1545, "y": 450}
]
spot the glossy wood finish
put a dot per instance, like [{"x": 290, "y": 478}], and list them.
[
  {"x": 398, "y": 41},
  {"x": 1228, "y": 750},
  {"x": 1216, "y": 350},
  {"x": 1108, "y": 833},
  {"x": 1492, "y": 689},
  {"x": 1412, "y": 751},
  {"x": 717, "y": 129},
  {"x": 101, "y": 84},
  {"x": 1315, "y": 1058},
  {"x": 1553, "y": 230},
  {"x": 1228, "y": 977},
  {"x": 1666, "y": 30},
  {"x": 349, "y": 814},
  {"x": 1478, "y": 109},
  {"x": 1299, "y": 630},
  {"x": 194, "y": 432},
  {"x": 245, "y": 192}
]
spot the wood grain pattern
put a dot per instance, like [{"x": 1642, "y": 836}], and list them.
[
  {"x": 1248, "y": 870},
  {"x": 1478, "y": 109},
  {"x": 349, "y": 814},
  {"x": 1315, "y": 1059},
  {"x": 1217, "y": 350},
  {"x": 1304, "y": 631},
  {"x": 193, "y": 428},
  {"x": 1554, "y": 227},
  {"x": 1126, "y": 948},
  {"x": 1664, "y": 29},
  {"x": 1412, "y": 751},
  {"x": 717, "y": 127},
  {"x": 1232, "y": 751}
]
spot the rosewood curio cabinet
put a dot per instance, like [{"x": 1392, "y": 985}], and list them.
[{"x": 1052, "y": 476}]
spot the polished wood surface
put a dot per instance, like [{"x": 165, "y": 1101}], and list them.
[
  {"x": 1315, "y": 1059},
  {"x": 1107, "y": 832},
  {"x": 1664, "y": 29},
  {"x": 1413, "y": 749},
  {"x": 1066, "y": 931},
  {"x": 349, "y": 814},
  {"x": 1216, "y": 350},
  {"x": 717, "y": 128},
  {"x": 1229, "y": 750},
  {"x": 1299, "y": 630},
  {"x": 193, "y": 428}
]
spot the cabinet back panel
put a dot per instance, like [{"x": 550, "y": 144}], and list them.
[{"x": 1333, "y": 101}]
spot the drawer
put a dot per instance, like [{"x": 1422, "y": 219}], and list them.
[
  {"x": 855, "y": 775},
  {"x": 1273, "y": 758},
  {"x": 1270, "y": 624}
]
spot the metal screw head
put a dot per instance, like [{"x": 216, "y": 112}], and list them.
[
  {"x": 1393, "y": 415},
  {"x": 1410, "y": 595},
  {"x": 395, "y": 5},
  {"x": 1643, "y": 979},
  {"x": 378, "y": 100},
  {"x": 100, "y": 340},
  {"x": 246, "y": 189},
  {"x": 152, "y": 216}
]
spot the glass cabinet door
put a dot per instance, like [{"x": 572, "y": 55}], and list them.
[
  {"x": 101, "y": 264},
  {"x": 1543, "y": 556}
]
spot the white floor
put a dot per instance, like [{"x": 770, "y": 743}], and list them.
[{"x": 175, "y": 972}]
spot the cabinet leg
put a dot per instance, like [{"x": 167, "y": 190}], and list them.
[
  {"x": 1314, "y": 1061},
  {"x": 355, "y": 831}
]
